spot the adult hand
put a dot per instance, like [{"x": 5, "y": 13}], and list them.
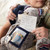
[{"x": 40, "y": 33}]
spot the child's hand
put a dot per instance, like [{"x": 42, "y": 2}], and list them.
[
  {"x": 11, "y": 15},
  {"x": 40, "y": 33}
]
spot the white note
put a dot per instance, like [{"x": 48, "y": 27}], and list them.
[{"x": 28, "y": 22}]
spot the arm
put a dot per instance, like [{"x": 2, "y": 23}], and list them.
[
  {"x": 11, "y": 16},
  {"x": 6, "y": 26},
  {"x": 42, "y": 34},
  {"x": 4, "y": 29}
]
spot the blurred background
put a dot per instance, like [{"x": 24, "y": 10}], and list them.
[{"x": 4, "y": 7}]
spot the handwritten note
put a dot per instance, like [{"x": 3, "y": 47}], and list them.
[{"x": 28, "y": 22}]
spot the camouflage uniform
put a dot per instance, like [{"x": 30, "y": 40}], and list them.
[{"x": 44, "y": 44}]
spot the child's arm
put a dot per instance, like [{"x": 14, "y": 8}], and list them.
[
  {"x": 4, "y": 29},
  {"x": 11, "y": 16},
  {"x": 6, "y": 26}
]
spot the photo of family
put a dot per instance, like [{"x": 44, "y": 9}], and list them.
[{"x": 17, "y": 36}]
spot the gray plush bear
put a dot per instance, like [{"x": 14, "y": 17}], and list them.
[{"x": 29, "y": 40}]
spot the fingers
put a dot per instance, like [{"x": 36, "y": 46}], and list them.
[
  {"x": 40, "y": 32},
  {"x": 36, "y": 29},
  {"x": 14, "y": 6},
  {"x": 10, "y": 18},
  {"x": 11, "y": 15},
  {"x": 42, "y": 29}
]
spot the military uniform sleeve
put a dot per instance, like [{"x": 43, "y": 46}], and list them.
[{"x": 43, "y": 44}]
